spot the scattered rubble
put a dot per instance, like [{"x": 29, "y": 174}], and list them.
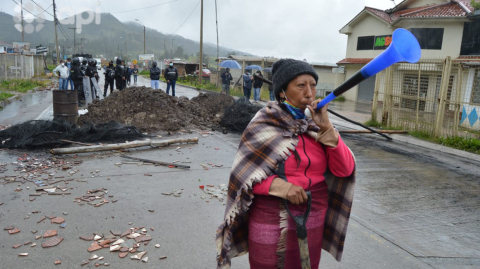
[{"x": 153, "y": 110}]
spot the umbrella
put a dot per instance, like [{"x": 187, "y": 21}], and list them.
[
  {"x": 254, "y": 67},
  {"x": 230, "y": 64}
]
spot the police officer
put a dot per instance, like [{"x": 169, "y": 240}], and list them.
[
  {"x": 119, "y": 75},
  {"x": 77, "y": 76},
  {"x": 92, "y": 73},
  {"x": 109, "y": 78},
  {"x": 84, "y": 65}
]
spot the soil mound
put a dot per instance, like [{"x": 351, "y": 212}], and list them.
[{"x": 154, "y": 110}]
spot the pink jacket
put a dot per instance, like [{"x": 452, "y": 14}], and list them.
[{"x": 313, "y": 164}]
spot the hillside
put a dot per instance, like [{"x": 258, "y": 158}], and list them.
[{"x": 111, "y": 38}]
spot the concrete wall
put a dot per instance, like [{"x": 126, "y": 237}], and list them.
[
  {"x": 349, "y": 72},
  {"x": 327, "y": 80}
]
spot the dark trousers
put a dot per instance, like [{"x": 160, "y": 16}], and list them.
[
  {"x": 80, "y": 94},
  {"x": 105, "y": 89},
  {"x": 247, "y": 92},
  {"x": 119, "y": 84},
  {"x": 134, "y": 78},
  {"x": 171, "y": 83}
]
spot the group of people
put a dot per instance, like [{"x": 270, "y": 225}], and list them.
[
  {"x": 249, "y": 82},
  {"x": 74, "y": 72},
  {"x": 170, "y": 74}
]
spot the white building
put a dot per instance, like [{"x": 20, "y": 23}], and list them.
[{"x": 442, "y": 27}]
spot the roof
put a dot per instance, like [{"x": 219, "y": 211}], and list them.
[
  {"x": 355, "y": 61},
  {"x": 449, "y": 9},
  {"x": 317, "y": 64}
]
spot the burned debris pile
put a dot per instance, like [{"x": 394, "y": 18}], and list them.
[
  {"x": 239, "y": 115},
  {"x": 44, "y": 134},
  {"x": 154, "y": 110}
]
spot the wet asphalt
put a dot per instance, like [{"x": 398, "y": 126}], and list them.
[{"x": 414, "y": 207}]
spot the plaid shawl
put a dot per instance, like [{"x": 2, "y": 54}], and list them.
[{"x": 265, "y": 143}]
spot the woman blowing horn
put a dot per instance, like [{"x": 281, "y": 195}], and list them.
[{"x": 282, "y": 154}]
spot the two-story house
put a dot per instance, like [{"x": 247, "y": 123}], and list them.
[{"x": 442, "y": 27}]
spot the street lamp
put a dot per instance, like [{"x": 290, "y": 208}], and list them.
[{"x": 143, "y": 35}]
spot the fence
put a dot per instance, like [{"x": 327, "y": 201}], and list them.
[
  {"x": 16, "y": 66},
  {"x": 440, "y": 97}
]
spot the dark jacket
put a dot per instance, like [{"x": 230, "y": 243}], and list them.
[
  {"x": 257, "y": 83},
  {"x": 171, "y": 73},
  {"x": 155, "y": 73},
  {"x": 135, "y": 71},
  {"x": 90, "y": 72},
  {"x": 119, "y": 72},
  {"x": 226, "y": 77},
  {"x": 77, "y": 75},
  {"x": 108, "y": 70}
]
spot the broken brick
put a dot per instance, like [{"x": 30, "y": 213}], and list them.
[
  {"x": 87, "y": 238},
  {"x": 14, "y": 231},
  {"x": 27, "y": 243},
  {"x": 115, "y": 232},
  {"x": 52, "y": 242},
  {"x": 50, "y": 233},
  {"x": 42, "y": 219},
  {"x": 122, "y": 254},
  {"x": 57, "y": 220},
  {"x": 50, "y": 216},
  {"x": 9, "y": 228},
  {"x": 95, "y": 246},
  {"x": 84, "y": 263},
  {"x": 58, "y": 262},
  {"x": 124, "y": 249},
  {"x": 17, "y": 246}
]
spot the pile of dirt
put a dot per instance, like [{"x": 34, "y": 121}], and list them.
[{"x": 154, "y": 110}]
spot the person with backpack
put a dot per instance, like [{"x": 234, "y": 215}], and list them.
[
  {"x": 171, "y": 75},
  {"x": 109, "y": 78},
  {"x": 155, "y": 76},
  {"x": 247, "y": 85},
  {"x": 77, "y": 76}
]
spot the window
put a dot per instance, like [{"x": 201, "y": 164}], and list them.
[
  {"x": 471, "y": 38},
  {"x": 429, "y": 38},
  {"x": 365, "y": 42}
]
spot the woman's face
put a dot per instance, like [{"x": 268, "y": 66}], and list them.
[{"x": 301, "y": 91}]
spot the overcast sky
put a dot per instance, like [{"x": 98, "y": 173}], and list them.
[{"x": 301, "y": 29}]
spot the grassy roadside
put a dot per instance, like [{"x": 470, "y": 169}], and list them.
[
  {"x": 21, "y": 85},
  {"x": 466, "y": 144},
  {"x": 5, "y": 95}
]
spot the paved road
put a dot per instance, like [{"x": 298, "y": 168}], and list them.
[{"x": 414, "y": 207}]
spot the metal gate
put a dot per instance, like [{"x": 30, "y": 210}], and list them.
[{"x": 366, "y": 89}]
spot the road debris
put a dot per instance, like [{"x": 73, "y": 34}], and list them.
[
  {"x": 23, "y": 254},
  {"x": 195, "y": 140},
  {"x": 57, "y": 262},
  {"x": 52, "y": 242},
  {"x": 50, "y": 233},
  {"x": 13, "y": 231}
]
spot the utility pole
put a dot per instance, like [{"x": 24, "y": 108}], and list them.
[
  {"x": 21, "y": 10},
  {"x": 56, "y": 21},
  {"x": 74, "y": 44},
  {"x": 81, "y": 43},
  {"x": 200, "y": 67},
  {"x": 143, "y": 35},
  {"x": 126, "y": 52},
  {"x": 218, "y": 60},
  {"x": 172, "y": 44}
]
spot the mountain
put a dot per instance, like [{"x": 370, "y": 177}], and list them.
[{"x": 111, "y": 38}]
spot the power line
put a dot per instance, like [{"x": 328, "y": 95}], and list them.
[
  {"x": 144, "y": 7},
  {"x": 24, "y": 8},
  {"x": 187, "y": 18},
  {"x": 42, "y": 8}
]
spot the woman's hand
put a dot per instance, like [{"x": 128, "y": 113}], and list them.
[
  {"x": 320, "y": 117},
  {"x": 296, "y": 195}
]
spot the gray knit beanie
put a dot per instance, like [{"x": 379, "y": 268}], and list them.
[{"x": 285, "y": 70}]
